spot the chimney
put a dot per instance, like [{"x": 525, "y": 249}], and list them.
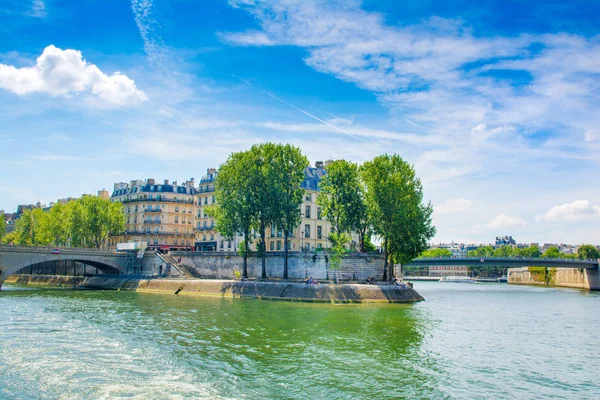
[
  {"x": 319, "y": 164},
  {"x": 174, "y": 183},
  {"x": 166, "y": 181},
  {"x": 150, "y": 181}
]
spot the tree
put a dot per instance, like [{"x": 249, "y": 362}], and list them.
[
  {"x": 505, "y": 251},
  {"x": 552, "y": 252},
  {"x": 32, "y": 228},
  {"x": 531, "y": 252},
  {"x": 482, "y": 252},
  {"x": 2, "y": 226},
  {"x": 588, "y": 252},
  {"x": 235, "y": 212},
  {"x": 59, "y": 224},
  {"x": 95, "y": 219},
  {"x": 436, "y": 253},
  {"x": 264, "y": 194},
  {"x": 337, "y": 251},
  {"x": 395, "y": 202},
  {"x": 342, "y": 199},
  {"x": 289, "y": 164}
]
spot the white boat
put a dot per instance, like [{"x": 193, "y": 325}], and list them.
[{"x": 458, "y": 279}]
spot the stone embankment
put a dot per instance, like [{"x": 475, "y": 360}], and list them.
[
  {"x": 562, "y": 277},
  {"x": 288, "y": 291}
]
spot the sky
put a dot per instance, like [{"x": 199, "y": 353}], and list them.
[{"x": 495, "y": 103}]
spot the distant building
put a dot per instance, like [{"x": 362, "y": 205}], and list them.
[
  {"x": 103, "y": 194},
  {"x": 161, "y": 214},
  {"x": 505, "y": 241},
  {"x": 448, "y": 270}
]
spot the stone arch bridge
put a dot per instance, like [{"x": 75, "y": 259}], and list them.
[{"x": 15, "y": 258}]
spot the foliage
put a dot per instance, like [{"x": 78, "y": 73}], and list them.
[
  {"x": 552, "y": 252},
  {"x": 11, "y": 237},
  {"x": 2, "y": 226},
  {"x": 588, "y": 252},
  {"x": 531, "y": 252},
  {"x": 436, "y": 253},
  {"x": 369, "y": 247},
  {"x": 394, "y": 197},
  {"x": 86, "y": 222},
  {"x": 288, "y": 164},
  {"x": 543, "y": 275},
  {"x": 481, "y": 252},
  {"x": 342, "y": 199},
  {"x": 337, "y": 250},
  {"x": 237, "y": 205}
]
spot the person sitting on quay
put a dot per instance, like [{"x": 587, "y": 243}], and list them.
[{"x": 371, "y": 280}]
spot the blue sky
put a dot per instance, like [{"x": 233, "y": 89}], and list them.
[{"x": 494, "y": 102}]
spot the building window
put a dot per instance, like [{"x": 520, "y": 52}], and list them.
[
  {"x": 272, "y": 230},
  {"x": 318, "y": 212},
  {"x": 319, "y": 232},
  {"x": 175, "y": 242},
  {"x": 176, "y": 219},
  {"x": 212, "y": 236},
  {"x": 206, "y": 200},
  {"x": 308, "y": 197},
  {"x": 319, "y": 246},
  {"x": 213, "y": 200},
  {"x": 176, "y": 209},
  {"x": 271, "y": 245},
  {"x": 279, "y": 245},
  {"x": 229, "y": 244},
  {"x": 221, "y": 245},
  {"x": 155, "y": 240},
  {"x": 307, "y": 231},
  {"x": 307, "y": 212}
]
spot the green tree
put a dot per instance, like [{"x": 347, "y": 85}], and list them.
[
  {"x": 11, "y": 237},
  {"x": 395, "y": 202},
  {"x": 59, "y": 224},
  {"x": 236, "y": 209},
  {"x": 531, "y": 252},
  {"x": 482, "y": 252},
  {"x": 32, "y": 228},
  {"x": 552, "y": 252},
  {"x": 288, "y": 164},
  {"x": 506, "y": 251},
  {"x": 2, "y": 226},
  {"x": 342, "y": 200},
  {"x": 265, "y": 194},
  {"x": 436, "y": 253},
  {"x": 337, "y": 251},
  {"x": 93, "y": 220},
  {"x": 588, "y": 252}
]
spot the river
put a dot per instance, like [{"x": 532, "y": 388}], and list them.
[{"x": 471, "y": 341}]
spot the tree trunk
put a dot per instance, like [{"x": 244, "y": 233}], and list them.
[
  {"x": 361, "y": 238},
  {"x": 245, "y": 264},
  {"x": 264, "y": 251},
  {"x": 385, "y": 263},
  {"x": 285, "y": 254}
]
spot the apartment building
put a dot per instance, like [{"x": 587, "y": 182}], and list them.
[{"x": 161, "y": 214}]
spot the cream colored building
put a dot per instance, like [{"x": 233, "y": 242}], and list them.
[{"x": 161, "y": 214}]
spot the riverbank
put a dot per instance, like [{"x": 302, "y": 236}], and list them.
[
  {"x": 560, "y": 277},
  {"x": 286, "y": 291}
]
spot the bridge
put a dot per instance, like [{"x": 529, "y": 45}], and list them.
[
  {"x": 505, "y": 262},
  {"x": 15, "y": 258}
]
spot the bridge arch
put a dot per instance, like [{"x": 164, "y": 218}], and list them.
[{"x": 13, "y": 260}]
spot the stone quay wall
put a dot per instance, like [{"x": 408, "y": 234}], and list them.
[
  {"x": 223, "y": 265},
  {"x": 565, "y": 277}
]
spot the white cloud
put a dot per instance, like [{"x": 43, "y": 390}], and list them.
[
  {"x": 38, "y": 9},
  {"x": 589, "y": 135},
  {"x": 424, "y": 73},
  {"x": 506, "y": 221},
  {"x": 575, "y": 211},
  {"x": 65, "y": 73},
  {"x": 453, "y": 206}
]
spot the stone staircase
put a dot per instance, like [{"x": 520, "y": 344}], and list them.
[{"x": 170, "y": 260}]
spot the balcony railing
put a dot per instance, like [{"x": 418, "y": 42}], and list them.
[
  {"x": 206, "y": 228},
  {"x": 153, "y": 210},
  {"x": 150, "y": 221},
  {"x": 186, "y": 234},
  {"x": 206, "y": 190},
  {"x": 161, "y": 200}
]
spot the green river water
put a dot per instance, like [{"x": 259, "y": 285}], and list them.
[{"x": 473, "y": 341}]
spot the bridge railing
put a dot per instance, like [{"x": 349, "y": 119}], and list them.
[
  {"x": 48, "y": 249},
  {"x": 484, "y": 259}
]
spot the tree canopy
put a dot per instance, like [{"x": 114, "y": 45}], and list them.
[
  {"x": 588, "y": 252},
  {"x": 86, "y": 222},
  {"x": 436, "y": 253},
  {"x": 394, "y": 197}
]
